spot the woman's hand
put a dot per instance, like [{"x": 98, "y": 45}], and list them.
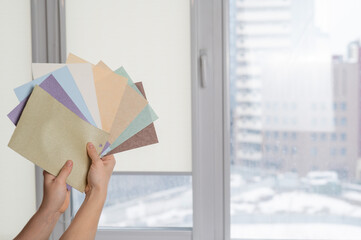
[
  {"x": 55, "y": 201},
  {"x": 100, "y": 171},
  {"x": 85, "y": 222},
  {"x": 56, "y": 195}
]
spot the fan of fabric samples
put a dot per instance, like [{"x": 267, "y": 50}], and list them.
[{"x": 68, "y": 105}]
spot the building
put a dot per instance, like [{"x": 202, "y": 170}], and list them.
[
  {"x": 269, "y": 27},
  {"x": 337, "y": 150},
  {"x": 260, "y": 27}
]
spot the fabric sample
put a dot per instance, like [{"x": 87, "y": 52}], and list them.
[
  {"x": 51, "y": 86},
  {"x": 131, "y": 104},
  {"x": 48, "y": 134},
  {"x": 66, "y": 80},
  {"x": 145, "y": 118},
  {"x": 83, "y": 77},
  {"x": 109, "y": 88},
  {"x": 146, "y": 136},
  {"x": 142, "y": 120}
]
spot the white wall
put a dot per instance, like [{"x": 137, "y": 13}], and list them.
[
  {"x": 17, "y": 178},
  {"x": 151, "y": 39}
]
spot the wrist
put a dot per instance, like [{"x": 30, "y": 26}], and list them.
[
  {"x": 48, "y": 215},
  {"x": 96, "y": 193}
]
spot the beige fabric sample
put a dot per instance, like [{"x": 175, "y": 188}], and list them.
[
  {"x": 119, "y": 104},
  {"x": 48, "y": 134},
  {"x": 75, "y": 59},
  {"x": 130, "y": 106},
  {"x": 109, "y": 88}
]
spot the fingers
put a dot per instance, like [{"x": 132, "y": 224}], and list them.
[
  {"x": 108, "y": 157},
  {"x": 65, "y": 171},
  {"x": 110, "y": 160},
  {"x": 92, "y": 152}
]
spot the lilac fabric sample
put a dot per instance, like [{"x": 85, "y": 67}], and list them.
[
  {"x": 106, "y": 145},
  {"x": 15, "y": 114},
  {"x": 50, "y": 85}
]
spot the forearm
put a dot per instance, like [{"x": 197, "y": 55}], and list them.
[
  {"x": 39, "y": 226},
  {"x": 85, "y": 223}
]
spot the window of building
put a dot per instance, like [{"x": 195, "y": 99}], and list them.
[
  {"x": 323, "y": 136},
  {"x": 314, "y": 136},
  {"x": 275, "y": 135},
  {"x": 334, "y": 137},
  {"x": 343, "y": 121},
  {"x": 314, "y": 151},
  {"x": 343, "y": 151},
  {"x": 294, "y": 136},
  {"x": 333, "y": 151},
  {"x": 343, "y": 106},
  {"x": 343, "y": 136}
]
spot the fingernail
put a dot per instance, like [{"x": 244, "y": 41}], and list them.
[
  {"x": 69, "y": 163},
  {"x": 91, "y": 145},
  {"x": 68, "y": 187}
]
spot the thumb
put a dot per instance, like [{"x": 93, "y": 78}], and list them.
[
  {"x": 65, "y": 171},
  {"x": 92, "y": 152}
]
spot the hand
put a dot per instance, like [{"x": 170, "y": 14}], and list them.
[
  {"x": 100, "y": 171},
  {"x": 56, "y": 195},
  {"x": 85, "y": 222}
]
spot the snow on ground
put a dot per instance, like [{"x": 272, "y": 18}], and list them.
[
  {"x": 352, "y": 195},
  {"x": 254, "y": 195},
  {"x": 263, "y": 200},
  {"x": 302, "y": 202},
  {"x": 296, "y": 231}
]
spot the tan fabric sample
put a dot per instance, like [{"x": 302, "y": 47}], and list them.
[{"x": 48, "y": 134}]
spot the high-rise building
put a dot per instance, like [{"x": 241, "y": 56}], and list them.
[
  {"x": 337, "y": 150},
  {"x": 261, "y": 28},
  {"x": 258, "y": 26},
  {"x": 270, "y": 28}
]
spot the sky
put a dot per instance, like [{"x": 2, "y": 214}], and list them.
[{"x": 341, "y": 20}]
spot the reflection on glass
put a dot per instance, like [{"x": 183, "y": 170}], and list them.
[
  {"x": 295, "y": 119},
  {"x": 145, "y": 201}
]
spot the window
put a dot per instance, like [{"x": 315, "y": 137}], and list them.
[
  {"x": 343, "y": 121},
  {"x": 314, "y": 136},
  {"x": 280, "y": 56},
  {"x": 334, "y": 137},
  {"x": 343, "y": 151},
  {"x": 314, "y": 151},
  {"x": 145, "y": 201},
  {"x": 159, "y": 195},
  {"x": 343, "y": 106},
  {"x": 343, "y": 136},
  {"x": 289, "y": 48},
  {"x": 323, "y": 136}
]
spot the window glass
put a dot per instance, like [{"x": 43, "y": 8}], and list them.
[
  {"x": 298, "y": 176},
  {"x": 145, "y": 201},
  {"x": 151, "y": 40}
]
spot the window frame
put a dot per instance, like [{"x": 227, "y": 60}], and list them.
[{"x": 210, "y": 123}]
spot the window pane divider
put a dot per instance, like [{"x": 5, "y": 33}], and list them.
[{"x": 136, "y": 234}]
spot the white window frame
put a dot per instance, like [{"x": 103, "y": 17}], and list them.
[{"x": 210, "y": 123}]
